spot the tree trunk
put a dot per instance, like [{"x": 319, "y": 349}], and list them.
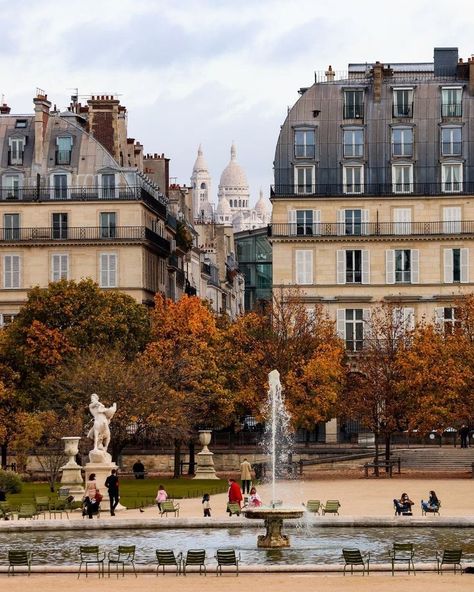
[
  {"x": 387, "y": 450},
  {"x": 4, "y": 455},
  {"x": 376, "y": 459},
  {"x": 192, "y": 458},
  {"x": 177, "y": 459}
]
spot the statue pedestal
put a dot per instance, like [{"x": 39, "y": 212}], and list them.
[
  {"x": 204, "y": 461},
  {"x": 102, "y": 471},
  {"x": 71, "y": 477}
]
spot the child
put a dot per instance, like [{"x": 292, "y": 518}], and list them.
[
  {"x": 254, "y": 501},
  {"x": 206, "y": 504},
  {"x": 161, "y": 496}
]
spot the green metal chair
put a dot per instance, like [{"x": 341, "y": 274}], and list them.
[
  {"x": 331, "y": 507},
  {"x": 354, "y": 557},
  {"x": 123, "y": 555},
  {"x": 169, "y": 507},
  {"x": 19, "y": 558},
  {"x": 433, "y": 510},
  {"x": 313, "y": 506},
  {"x": 233, "y": 508},
  {"x": 6, "y": 511},
  {"x": 27, "y": 511},
  {"x": 402, "y": 553},
  {"x": 90, "y": 555},
  {"x": 451, "y": 557},
  {"x": 167, "y": 557},
  {"x": 42, "y": 503},
  {"x": 195, "y": 557},
  {"x": 227, "y": 557}
]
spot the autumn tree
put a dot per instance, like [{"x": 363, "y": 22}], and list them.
[
  {"x": 373, "y": 395},
  {"x": 66, "y": 318},
  {"x": 184, "y": 346}
]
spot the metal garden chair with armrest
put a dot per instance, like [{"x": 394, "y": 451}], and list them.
[
  {"x": 451, "y": 557},
  {"x": 123, "y": 555},
  {"x": 19, "y": 558},
  {"x": 195, "y": 557},
  {"x": 402, "y": 553},
  {"x": 165, "y": 557},
  {"x": 354, "y": 557},
  {"x": 227, "y": 557},
  {"x": 90, "y": 555}
]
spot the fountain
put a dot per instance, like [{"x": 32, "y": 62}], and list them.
[{"x": 277, "y": 430}]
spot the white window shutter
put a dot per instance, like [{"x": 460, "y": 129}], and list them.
[
  {"x": 55, "y": 268},
  {"x": 316, "y": 222},
  {"x": 365, "y": 266},
  {"x": 409, "y": 319},
  {"x": 113, "y": 271},
  {"x": 341, "y": 323},
  {"x": 65, "y": 266},
  {"x": 415, "y": 266},
  {"x": 390, "y": 266},
  {"x": 366, "y": 319},
  {"x": 365, "y": 221},
  {"x": 104, "y": 270},
  {"x": 341, "y": 267},
  {"x": 439, "y": 317},
  {"x": 341, "y": 222},
  {"x": 448, "y": 266},
  {"x": 452, "y": 219},
  {"x": 292, "y": 221},
  {"x": 304, "y": 267},
  {"x": 464, "y": 266},
  {"x": 15, "y": 271}
]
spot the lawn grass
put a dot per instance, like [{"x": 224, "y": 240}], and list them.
[{"x": 134, "y": 493}]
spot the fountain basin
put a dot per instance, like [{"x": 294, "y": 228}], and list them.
[{"x": 273, "y": 517}]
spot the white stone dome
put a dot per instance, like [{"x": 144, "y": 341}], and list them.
[
  {"x": 233, "y": 175},
  {"x": 262, "y": 206},
  {"x": 200, "y": 164},
  {"x": 223, "y": 207}
]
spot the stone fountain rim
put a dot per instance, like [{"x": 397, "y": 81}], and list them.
[{"x": 264, "y": 512}]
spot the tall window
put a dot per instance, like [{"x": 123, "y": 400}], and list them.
[
  {"x": 451, "y": 141},
  {"x": 11, "y": 186},
  {"x": 402, "y": 220},
  {"x": 402, "y": 178},
  {"x": 353, "y": 143},
  {"x": 353, "y": 266},
  {"x": 456, "y": 265},
  {"x": 353, "y": 220},
  {"x": 17, "y": 147},
  {"x": 108, "y": 270},
  {"x": 304, "y": 266},
  {"x": 452, "y": 220},
  {"x": 11, "y": 271},
  {"x": 451, "y": 102},
  {"x": 304, "y": 179},
  {"x": 451, "y": 177},
  {"x": 304, "y": 144},
  {"x": 354, "y": 329},
  {"x": 353, "y": 104},
  {"x": 59, "y": 267},
  {"x": 451, "y": 320},
  {"x": 63, "y": 150},
  {"x": 108, "y": 227},
  {"x": 353, "y": 179},
  {"x": 60, "y": 226},
  {"x": 304, "y": 221},
  {"x": 402, "y": 266},
  {"x": 11, "y": 225},
  {"x": 402, "y": 142},
  {"x": 60, "y": 190},
  {"x": 108, "y": 186},
  {"x": 403, "y": 102}
]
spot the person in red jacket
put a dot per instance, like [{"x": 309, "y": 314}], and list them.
[{"x": 235, "y": 493}]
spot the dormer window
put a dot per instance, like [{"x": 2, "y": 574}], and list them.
[
  {"x": 21, "y": 123},
  {"x": 17, "y": 148},
  {"x": 63, "y": 150}
]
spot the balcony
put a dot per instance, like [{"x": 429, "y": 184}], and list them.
[
  {"x": 371, "y": 229},
  {"x": 122, "y": 193},
  {"x": 371, "y": 189},
  {"x": 94, "y": 234}
]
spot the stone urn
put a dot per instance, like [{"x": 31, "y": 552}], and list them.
[
  {"x": 204, "y": 459},
  {"x": 71, "y": 477}
]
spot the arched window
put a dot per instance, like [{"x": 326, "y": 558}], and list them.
[{"x": 203, "y": 186}]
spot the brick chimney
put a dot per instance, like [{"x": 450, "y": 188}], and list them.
[
  {"x": 104, "y": 122},
  {"x": 470, "y": 62},
  {"x": 42, "y": 107},
  {"x": 330, "y": 74},
  {"x": 4, "y": 109},
  {"x": 378, "y": 77}
]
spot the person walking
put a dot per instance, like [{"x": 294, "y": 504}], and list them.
[
  {"x": 464, "y": 433},
  {"x": 234, "y": 493},
  {"x": 91, "y": 497},
  {"x": 206, "y": 505},
  {"x": 245, "y": 475},
  {"x": 161, "y": 496},
  {"x": 112, "y": 484}
]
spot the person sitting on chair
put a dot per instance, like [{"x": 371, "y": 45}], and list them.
[
  {"x": 139, "y": 470},
  {"x": 403, "y": 505},
  {"x": 432, "y": 505}
]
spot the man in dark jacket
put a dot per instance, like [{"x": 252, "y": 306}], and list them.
[{"x": 112, "y": 484}]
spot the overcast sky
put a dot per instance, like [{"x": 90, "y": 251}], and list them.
[{"x": 210, "y": 71}]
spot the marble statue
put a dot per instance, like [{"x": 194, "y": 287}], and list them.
[{"x": 100, "y": 431}]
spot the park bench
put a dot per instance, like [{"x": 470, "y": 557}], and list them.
[{"x": 388, "y": 465}]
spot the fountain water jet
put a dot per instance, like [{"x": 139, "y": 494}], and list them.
[{"x": 277, "y": 430}]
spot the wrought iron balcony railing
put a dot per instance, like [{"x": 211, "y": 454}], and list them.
[
  {"x": 371, "y": 189},
  {"x": 341, "y": 229},
  {"x": 121, "y": 193},
  {"x": 101, "y": 234}
]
